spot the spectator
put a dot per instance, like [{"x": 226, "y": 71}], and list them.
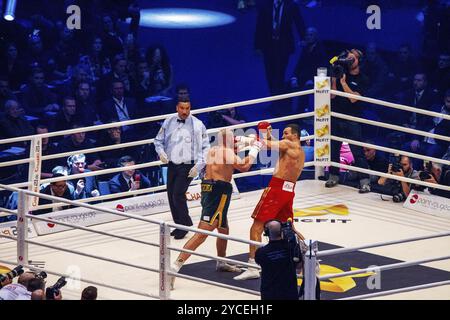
[
  {"x": 84, "y": 187},
  {"x": 420, "y": 96},
  {"x": 128, "y": 180},
  {"x": 399, "y": 190},
  {"x": 47, "y": 148},
  {"x": 141, "y": 81},
  {"x": 376, "y": 161},
  {"x": 67, "y": 116},
  {"x": 11, "y": 67},
  {"x": 183, "y": 143},
  {"x": 183, "y": 93},
  {"x": 312, "y": 56},
  {"x": 376, "y": 70},
  {"x": 119, "y": 73},
  {"x": 89, "y": 293},
  {"x": 36, "y": 96},
  {"x": 5, "y": 93},
  {"x": 275, "y": 40},
  {"x": 278, "y": 267},
  {"x": 402, "y": 70},
  {"x": 429, "y": 146},
  {"x": 78, "y": 141},
  {"x": 65, "y": 53},
  {"x": 14, "y": 124},
  {"x": 86, "y": 107},
  {"x": 441, "y": 76},
  {"x": 37, "y": 56},
  {"x": 60, "y": 189},
  {"x": 223, "y": 118},
  {"x": 112, "y": 42},
  {"x": 437, "y": 174},
  {"x": 113, "y": 136},
  {"x": 118, "y": 107},
  {"x": 160, "y": 71},
  {"x": 98, "y": 62}
]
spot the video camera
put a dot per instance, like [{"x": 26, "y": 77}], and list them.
[
  {"x": 341, "y": 64},
  {"x": 426, "y": 173},
  {"x": 53, "y": 291},
  {"x": 17, "y": 271},
  {"x": 290, "y": 236}
]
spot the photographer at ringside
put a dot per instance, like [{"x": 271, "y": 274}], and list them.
[
  {"x": 279, "y": 260},
  {"x": 26, "y": 284},
  {"x": 400, "y": 166},
  {"x": 347, "y": 77},
  {"x": 436, "y": 173}
]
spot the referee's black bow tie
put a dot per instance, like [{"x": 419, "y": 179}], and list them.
[{"x": 182, "y": 121}]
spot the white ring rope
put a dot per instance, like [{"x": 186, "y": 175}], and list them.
[
  {"x": 390, "y": 104},
  {"x": 382, "y": 268},
  {"x": 401, "y": 290},
  {"x": 390, "y": 126},
  {"x": 390, "y": 176},
  {"x": 390, "y": 150},
  {"x": 379, "y": 244},
  {"x": 68, "y": 276},
  {"x": 156, "y": 118}
]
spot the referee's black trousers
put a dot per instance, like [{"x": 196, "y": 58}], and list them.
[{"x": 177, "y": 185}]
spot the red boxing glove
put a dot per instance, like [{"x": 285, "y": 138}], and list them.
[
  {"x": 263, "y": 128},
  {"x": 264, "y": 125}
]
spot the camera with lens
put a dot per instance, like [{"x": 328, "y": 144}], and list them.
[
  {"x": 53, "y": 291},
  {"x": 395, "y": 161},
  {"x": 290, "y": 237},
  {"x": 426, "y": 173},
  {"x": 41, "y": 275},
  {"x": 17, "y": 271},
  {"x": 341, "y": 64},
  {"x": 399, "y": 197}
]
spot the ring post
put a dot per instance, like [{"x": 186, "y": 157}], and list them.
[
  {"x": 164, "y": 261},
  {"x": 22, "y": 229},
  {"x": 309, "y": 272},
  {"x": 322, "y": 121}
]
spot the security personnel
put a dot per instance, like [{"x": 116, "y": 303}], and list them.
[{"x": 183, "y": 144}]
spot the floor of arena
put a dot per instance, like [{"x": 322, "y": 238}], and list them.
[{"x": 367, "y": 220}]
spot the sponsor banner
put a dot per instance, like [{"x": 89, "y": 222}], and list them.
[
  {"x": 322, "y": 120},
  {"x": 34, "y": 174},
  {"x": 142, "y": 205},
  {"x": 427, "y": 203},
  {"x": 10, "y": 229}
]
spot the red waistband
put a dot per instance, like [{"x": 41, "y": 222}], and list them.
[{"x": 278, "y": 183}]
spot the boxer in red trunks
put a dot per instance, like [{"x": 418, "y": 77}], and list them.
[{"x": 277, "y": 199}]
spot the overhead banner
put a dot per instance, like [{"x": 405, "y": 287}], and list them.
[
  {"x": 322, "y": 120},
  {"x": 427, "y": 203},
  {"x": 10, "y": 229},
  {"x": 141, "y": 205}
]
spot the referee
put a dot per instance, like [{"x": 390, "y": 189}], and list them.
[{"x": 181, "y": 142}]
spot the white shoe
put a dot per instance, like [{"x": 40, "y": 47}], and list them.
[
  {"x": 248, "y": 274},
  {"x": 225, "y": 267}
]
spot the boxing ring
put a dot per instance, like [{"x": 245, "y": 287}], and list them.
[{"x": 131, "y": 258}]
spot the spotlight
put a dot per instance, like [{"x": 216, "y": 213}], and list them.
[
  {"x": 183, "y": 18},
  {"x": 10, "y": 10}
]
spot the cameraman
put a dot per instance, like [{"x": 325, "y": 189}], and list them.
[
  {"x": 438, "y": 175},
  {"x": 350, "y": 80},
  {"x": 19, "y": 290},
  {"x": 278, "y": 268},
  {"x": 399, "y": 189}
]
